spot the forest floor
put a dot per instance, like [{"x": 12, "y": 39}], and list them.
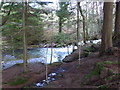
[{"x": 73, "y": 77}]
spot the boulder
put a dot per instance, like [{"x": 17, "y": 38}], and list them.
[
  {"x": 71, "y": 57},
  {"x": 84, "y": 52}
]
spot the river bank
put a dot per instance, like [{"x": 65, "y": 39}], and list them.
[{"x": 73, "y": 77}]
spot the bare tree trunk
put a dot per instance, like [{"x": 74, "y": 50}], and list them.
[
  {"x": 117, "y": 18},
  {"x": 13, "y": 50},
  {"x": 87, "y": 35},
  {"x": 116, "y": 38},
  {"x": 24, "y": 35},
  {"x": 78, "y": 32},
  {"x": 83, "y": 21},
  {"x": 107, "y": 27},
  {"x": 60, "y": 25}
]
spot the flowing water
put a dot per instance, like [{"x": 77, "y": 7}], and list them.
[
  {"x": 37, "y": 55},
  {"x": 50, "y": 77}
]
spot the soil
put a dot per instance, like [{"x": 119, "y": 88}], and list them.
[{"x": 71, "y": 78}]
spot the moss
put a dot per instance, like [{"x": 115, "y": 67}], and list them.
[
  {"x": 84, "y": 54},
  {"x": 19, "y": 64},
  {"x": 18, "y": 81},
  {"x": 109, "y": 78},
  {"x": 89, "y": 49},
  {"x": 56, "y": 64},
  {"x": 108, "y": 62},
  {"x": 97, "y": 71}
]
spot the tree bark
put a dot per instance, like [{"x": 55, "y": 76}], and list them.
[
  {"x": 117, "y": 18},
  {"x": 60, "y": 25},
  {"x": 116, "y": 37},
  {"x": 83, "y": 21},
  {"x": 107, "y": 27},
  {"x": 78, "y": 32},
  {"x": 24, "y": 34}
]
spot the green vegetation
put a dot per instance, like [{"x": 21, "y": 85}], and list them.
[
  {"x": 56, "y": 64},
  {"x": 97, "y": 71},
  {"x": 19, "y": 64},
  {"x": 18, "y": 81},
  {"x": 61, "y": 38}
]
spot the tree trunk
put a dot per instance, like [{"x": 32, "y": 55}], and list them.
[
  {"x": 24, "y": 34},
  {"x": 78, "y": 32},
  {"x": 116, "y": 38},
  {"x": 86, "y": 23},
  {"x": 107, "y": 27},
  {"x": 60, "y": 25},
  {"x": 83, "y": 21}
]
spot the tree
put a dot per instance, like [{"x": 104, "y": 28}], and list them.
[
  {"x": 24, "y": 34},
  {"x": 78, "y": 22},
  {"x": 62, "y": 13},
  {"x": 116, "y": 37},
  {"x": 6, "y": 17},
  {"x": 107, "y": 27},
  {"x": 12, "y": 24},
  {"x": 83, "y": 21}
]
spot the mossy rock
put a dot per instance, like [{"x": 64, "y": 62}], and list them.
[
  {"x": 84, "y": 54},
  {"x": 89, "y": 49}
]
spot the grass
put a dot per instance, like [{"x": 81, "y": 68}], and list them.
[
  {"x": 97, "y": 70},
  {"x": 18, "y": 81},
  {"x": 19, "y": 64}
]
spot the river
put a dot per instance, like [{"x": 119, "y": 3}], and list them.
[{"x": 42, "y": 55}]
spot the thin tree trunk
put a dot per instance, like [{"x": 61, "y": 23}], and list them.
[
  {"x": 24, "y": 35},
  {"x": 107, "y": 27},
  {"x": 83, "y": 21},
  {"x": 51, "y": 54},
  {"x": 13, "y": 51},
  {"x": 52, "y": 44},
  {"x": 86, "y": 22},
  {"x": 78, "y": 33},
  {"x": 78, "y": 21},
  {"x": 60, "y": 25},
  {"x": 46, "y": 67}
]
